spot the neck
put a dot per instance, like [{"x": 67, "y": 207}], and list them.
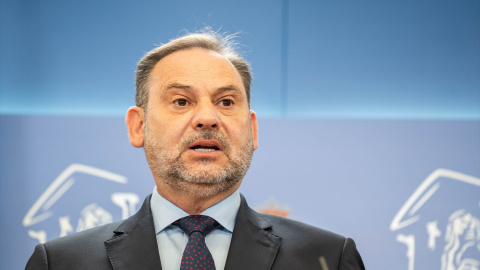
[{"x": 193, "y": 205}]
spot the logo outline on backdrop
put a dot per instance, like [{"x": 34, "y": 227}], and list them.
[
  {"x": 92, "y": 215},
  {"x": 460, "y": 224}
]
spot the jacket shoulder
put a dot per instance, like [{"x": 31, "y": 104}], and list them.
[
  {"x": 86, "y": 249},
  {"x": 80, "y": 250},
  {"x": 88, "y": 238},
  {"x": 306, "y": 243},
  {"x": 292, "y": 230}
]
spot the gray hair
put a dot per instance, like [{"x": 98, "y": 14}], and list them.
[{"x": 206, "y": 39}]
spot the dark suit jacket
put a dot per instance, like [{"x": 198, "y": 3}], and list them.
[{"x": 258, "y": 242}]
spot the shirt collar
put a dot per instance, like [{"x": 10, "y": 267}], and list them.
[{"x": 165, "y": 213}]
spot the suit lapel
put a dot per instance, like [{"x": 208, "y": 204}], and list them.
[
  {"x": 134, "y": 245},
  {"x": 252, "y": 246}
]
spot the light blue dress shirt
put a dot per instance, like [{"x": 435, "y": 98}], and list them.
[{"x": 172, "y": 240}]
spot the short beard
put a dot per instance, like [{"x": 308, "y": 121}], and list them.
[{"x": 167, "y": 166}]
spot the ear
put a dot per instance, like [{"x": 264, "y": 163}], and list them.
[
  {"x": 135, "y": 124},
  {"x": 253, "y": 118}
]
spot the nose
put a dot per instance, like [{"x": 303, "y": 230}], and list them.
[{"x": 205, "y": 116}]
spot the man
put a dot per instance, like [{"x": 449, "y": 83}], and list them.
[{"x": 194, "y": 121}]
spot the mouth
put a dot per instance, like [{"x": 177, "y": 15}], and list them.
[{"x": 206, "y": 146}]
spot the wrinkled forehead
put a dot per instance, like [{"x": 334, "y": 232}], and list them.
[{"x": 195, "y": 66}]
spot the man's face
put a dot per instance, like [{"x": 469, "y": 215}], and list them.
[{"x": 199, "y": 132}]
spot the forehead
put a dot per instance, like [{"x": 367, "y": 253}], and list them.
[{"x": 196, "y": 67}]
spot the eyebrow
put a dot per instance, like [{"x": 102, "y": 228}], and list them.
[
  {"x": 226, "y": 88},
  {"x": 176, "y": 85},
  {"x": 229, "y": 88}
]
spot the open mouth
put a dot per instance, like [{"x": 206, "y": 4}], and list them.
[{"x": 206, "y": 146}]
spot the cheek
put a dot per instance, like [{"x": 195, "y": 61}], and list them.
[
  {"x": 240, "y": 131},
  {"x": 170, "y": 129},
  {"x": 155, "y": 127}
]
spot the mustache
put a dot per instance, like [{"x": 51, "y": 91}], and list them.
[{"x": 206, "y": 135}]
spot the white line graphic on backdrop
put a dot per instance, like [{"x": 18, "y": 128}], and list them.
[
  {"x": 461, "y": 234},
  {"x": 92, "y": 215},
  {"x": 396, "y": 224},
  {"x": 56, "y": 190}
]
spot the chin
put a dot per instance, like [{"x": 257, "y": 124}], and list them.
[{"x": 205, "y": 190}]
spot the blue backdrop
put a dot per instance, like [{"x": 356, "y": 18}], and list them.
[
  {"x": 327, "y": 59},
  {"x": 369, "y": 118}
]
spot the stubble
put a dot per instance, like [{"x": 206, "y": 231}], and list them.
[{"x": 206, "y": 179}]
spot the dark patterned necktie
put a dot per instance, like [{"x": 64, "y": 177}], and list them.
[{"x": 196, "y": 255}]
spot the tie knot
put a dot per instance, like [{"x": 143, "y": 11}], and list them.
[{"x": 196, "y": 223}]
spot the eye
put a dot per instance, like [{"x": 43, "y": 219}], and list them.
[
  {"x": 226, "y": 102},
  {"x": 180, "y": 102}
]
